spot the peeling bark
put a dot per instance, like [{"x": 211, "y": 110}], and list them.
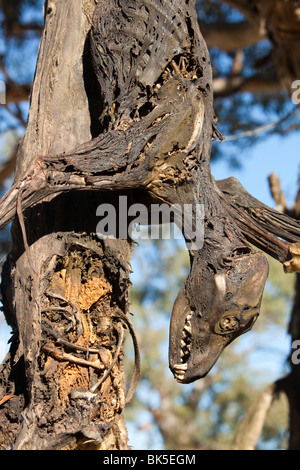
[{"x": 66, "y": 294}]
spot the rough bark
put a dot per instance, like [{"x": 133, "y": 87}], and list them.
[{"x": 65, "y": 294}]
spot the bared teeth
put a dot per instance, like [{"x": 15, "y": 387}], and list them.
[
  {"x": 179, "y": 371},
  {"x": 180, "y": 367},
  {"x": 185, "y": 343},
  {"x": 179, "y": 378}
]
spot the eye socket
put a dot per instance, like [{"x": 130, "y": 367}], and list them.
[
  {"x": 230, "y": 323},
  {"x": 241, "y": 251},
  {"x": 227, "y": 325}
]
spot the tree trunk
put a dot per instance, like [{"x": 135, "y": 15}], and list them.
[
  {"x": 291, "y": 384},
  {"x": 66, "y": 285}
]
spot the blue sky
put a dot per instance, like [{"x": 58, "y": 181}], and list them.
[{"x": 275, "y": 154}]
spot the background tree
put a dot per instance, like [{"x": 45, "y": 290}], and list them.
[{"x": 236, "y": 71}]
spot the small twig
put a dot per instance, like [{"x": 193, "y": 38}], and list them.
[
  {"x": 137, "y": 359},
  {"x": 65, "y": 312},
  {"x": 117, "y": 354},
  {"x": 62, "y": 356},
  {"x": 137, "y": 362},
  {"x": 23, "y": 228},
  {"x": 217, "y": 135},
  {"x": 277, "y": 193},
  {"x": 6, "y": 398},
  {"x": 59, "y": 340},
  {"x": 272, "y": 126},
  {"x": 80, "y": 328},
  {"x": 21, "y": 219}
]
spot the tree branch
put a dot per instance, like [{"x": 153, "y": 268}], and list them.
[
  {"x": 229, "y": 85},
  {"x": 20, "y": 30},
  {"x": 277, "y": 193},
  {"x": 261, "y": 225},
  {"x": 16, "y": 92},
  {"x": 244, "y": 7},
  {"x": 231, "y": 36},
  {"x": 251, "y": 425}
]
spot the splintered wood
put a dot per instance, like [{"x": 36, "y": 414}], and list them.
[{"x": 77, "y": 289}]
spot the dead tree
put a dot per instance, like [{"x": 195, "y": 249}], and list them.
[{"x": 121, "y": 105}]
